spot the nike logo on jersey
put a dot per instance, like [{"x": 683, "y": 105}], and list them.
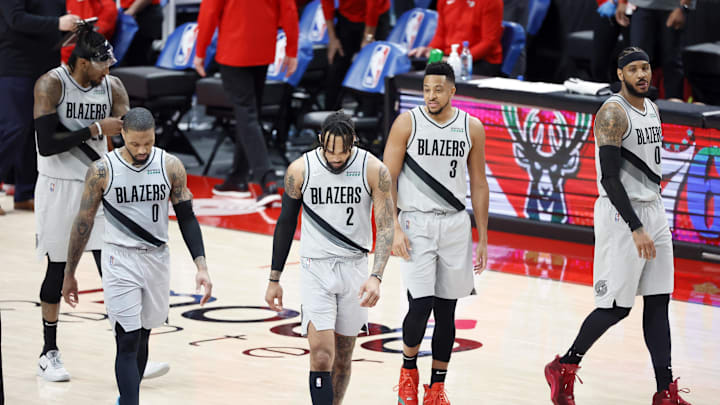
[
  {"x": 648, "y": 135},
  {"x": 440, "y": 147},
  {"x": 86, "y": 111}
]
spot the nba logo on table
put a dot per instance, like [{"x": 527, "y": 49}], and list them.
[
  {"x": 376, "y": 66},
  {"x": 317, "y": 31},
  {"x": 187, "y": 43},
  {"x": 280, "y": 45},
  {"x": 412, "y": 28}
]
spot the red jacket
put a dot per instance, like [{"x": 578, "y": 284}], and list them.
[
  {"x": 477, "y": 21},
  {"x": 247, "y": 30},
  {"x": 367, "y": 11},
  {"x": 104, "y": 10}
]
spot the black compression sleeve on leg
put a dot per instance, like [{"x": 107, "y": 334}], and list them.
[
  {"x": 610, "y": 162},
  {"x": 126, "y": 369},
  {"x": 190, "y": 228},
  {"x": 443, "y": 338},
  {"x": 321, "y": 388},
  {"x": 50, "y": 141},
  {"x": 656, "y": 328},
  {"x": 597, "y": 323},
  {"x": 285, "y": 231},
  {"x": 51, "y": 289},
  {"x": 415, "y": 321},
  {"x": 143, "y": 351}
]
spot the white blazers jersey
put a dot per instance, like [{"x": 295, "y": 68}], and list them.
[
  {"x": 336, "y": 208},
  {"x": 641, "y": 169},
  {"x": 434, "y": 174},
  {"x": 136, "y": 202},
  {"x": 78, "y": 108}
]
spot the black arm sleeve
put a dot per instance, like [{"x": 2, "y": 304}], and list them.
[
  {"x": 610, "y": 161},
  {"x": 50, "y": 141},
  {"x": 190, "y": 228},
  {"x": 284, "y": 231}
]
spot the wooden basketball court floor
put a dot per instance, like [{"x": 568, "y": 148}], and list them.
[{"x": 237, "y": 353}]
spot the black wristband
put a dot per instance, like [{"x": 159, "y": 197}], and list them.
[
  {"x": 274, "y": 280},
  {"x": 377, "y": 276}
]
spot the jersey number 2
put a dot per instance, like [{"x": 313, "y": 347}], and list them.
[{"x": 350, "y": 213}]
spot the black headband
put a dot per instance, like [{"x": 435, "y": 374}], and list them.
[{"x": 632, "y": 57}]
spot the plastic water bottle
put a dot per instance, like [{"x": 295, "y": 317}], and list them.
[
  {"x": 454, "y": 60},
  {"x": 466, "y": 62}
]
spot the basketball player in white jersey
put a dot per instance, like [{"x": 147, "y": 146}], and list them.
[
  {"x": 429, "y": 151},
  {"x": 633, "y": 244},
  {"x": 134, "y": 184},
  {"x": 77, "y": 109},
  {"x": 337, "y": 184}
]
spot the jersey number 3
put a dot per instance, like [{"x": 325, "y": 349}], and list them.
[{"x": 453, "y": 168}]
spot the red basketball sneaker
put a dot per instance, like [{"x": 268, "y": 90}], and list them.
[
  {"x": 561, "y": 378},
  {"x": 435, "y": 395},
  {"x": 670, "y": 396},
  {"x": 407, "y": 388}
]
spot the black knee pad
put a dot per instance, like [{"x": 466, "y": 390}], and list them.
[
  {"x": 51, "y": 289},
  {"x": 415, "y": 322},
  {"x": 444, "y": 333},
  {"x": 127, "y": 342}
]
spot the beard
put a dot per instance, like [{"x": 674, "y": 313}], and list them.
[
  {"x": 631, "y": 89},
  {"x": 136, "y": 161},
  {"x": 439, "y": 110}
]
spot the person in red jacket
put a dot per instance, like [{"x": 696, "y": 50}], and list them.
[
  {"x": 104, "y": 10},
  {"x": 149, "y": 17},
  {"x": 477, "y": 21},
  {"x": 247, "y": 32},
  {"x": 359, "y": 22}
]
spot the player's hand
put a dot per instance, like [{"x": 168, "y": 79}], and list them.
[
  {"x": 676, "y": 19},
  {"x": 199, "y": 65},
  {"x": 291, "y": 65},
  {"x": 644, "y": 244},
  {"x": 334, "y": 46},
  {"x": 419, "y": 52},
  {"x": 111, "y": 126},
  {"x": 620, "y": 15},
  {"x": 68, "y": 22},
  {"x": 273, "y": 296},
  {"x": 401, "y": 244},
  {"x": 70, "y": 290},
  {"x": 371, "y": 290},
  {"x": 202, "y": 279},
  {"x": 481, "y": 257}
]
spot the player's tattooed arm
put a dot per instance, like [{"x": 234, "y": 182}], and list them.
[
  {"x": 610, "y": 125},
  {"x": 48, "y": 91},
  {"x": 381, "y": 184},
  {"x": 178, "y": 180},
  {"x": 95, "y": 183},
  {"x": 120, "y": 99},
  {"x": 294, "y": 179}
]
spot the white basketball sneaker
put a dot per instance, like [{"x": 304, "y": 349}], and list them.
[
  {"x": 51, "y": 367},
  {"x": 154, "y": 370}
]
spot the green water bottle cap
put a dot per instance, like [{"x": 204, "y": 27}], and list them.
[{"x": 436, "y": 55}]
